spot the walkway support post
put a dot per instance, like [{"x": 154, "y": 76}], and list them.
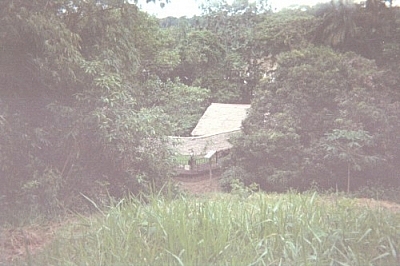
[{"x": 208, "y": 156}]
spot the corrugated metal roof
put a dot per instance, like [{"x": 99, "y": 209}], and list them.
[{"x": 220, "y": 118}]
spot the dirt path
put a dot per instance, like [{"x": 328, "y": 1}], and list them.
[
  {"x": 200, "y": 185},
  {"x": 371, "y": 203},
  {"x": 17, "y": 243}
]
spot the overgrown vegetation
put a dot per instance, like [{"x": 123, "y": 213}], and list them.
[
  {"x": 290, "y": 229},
  {"x": 89, "y": 90},
  {"x": 83, "y": 107},
  {"x": 339, "y": 138}
]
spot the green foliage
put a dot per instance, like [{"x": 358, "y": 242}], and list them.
[
  {"x": 285, "y": 31},
  {"x": 90, "y": 89},
  {"x": 239, "y": 72},
  {"x": 292, "y": 229},
  {"x": 72, "y": 112},
  {"x": 321, "y": 104},
  {"x": 217, "y": 50},
  {"x": 201, "y": 54},
  {"x": 181, "y": 105},
  {"x": 348, "y": 146},
  {"x": 364, "y": 28},
  {"x": 338, "y": 27}
]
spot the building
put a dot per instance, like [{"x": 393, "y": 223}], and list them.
[
  {"x": 218, "y": 123},
  {"x": 210, "y": 138}
]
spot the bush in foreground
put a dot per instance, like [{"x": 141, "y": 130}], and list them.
[{"x": 289, "y": 229}]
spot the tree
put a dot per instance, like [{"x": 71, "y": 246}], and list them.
[
  {"x": 285, "y": 31},
  {"x": 168, "y": 97},
  {"x": 348, "y": 146},
  {"x": 235, "y": 25},
  {"x": 338, "y": 28},
  {"x": 201, "y": 56},
  {"x": 317, "y": 92},
  {"x": 70, "y": 85},
  {"x": 361, "y": 28}
]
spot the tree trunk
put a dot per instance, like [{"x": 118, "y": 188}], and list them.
[{"x": 348, "y": 178}]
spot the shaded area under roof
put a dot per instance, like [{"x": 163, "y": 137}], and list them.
[{"x": 203, "y": 144}]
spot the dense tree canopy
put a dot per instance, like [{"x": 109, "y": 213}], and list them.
[
  {"x": 321, "y": 109},
  {"x": 75, "y": 114},
  {"x": 89, "y": 90}
]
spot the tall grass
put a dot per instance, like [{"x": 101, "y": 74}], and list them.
[{"x": 289, "y": 229}]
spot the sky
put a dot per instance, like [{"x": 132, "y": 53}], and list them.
[{"x": 189, "y": 8}]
